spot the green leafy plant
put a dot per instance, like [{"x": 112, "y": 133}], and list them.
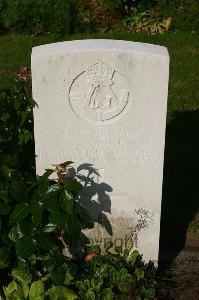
[
  {"x": 41, "y": 219},
  {"x": 126, "y": 6},
  {"x": 16, "y": 135},
  {"x": 100, "y": 275},
  {"x": 37, "y": 222},
  {"x": 119, "y": 274},
  {"x": 38, "y": 16},
  {"x": 97, "y": 16},
  {"x": 184, "y": 13},
  {"x": 150, "y": 21}
]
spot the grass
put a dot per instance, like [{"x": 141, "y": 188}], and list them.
[
  {"x": 181, "y": 173},
  {"x": 15, "y": 51}
]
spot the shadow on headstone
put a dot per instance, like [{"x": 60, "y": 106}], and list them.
[
  {"x": 95, "y": 199},
  {"x": 180, "y": 200}
]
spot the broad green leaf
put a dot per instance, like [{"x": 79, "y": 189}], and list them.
[
  {"x": 4, "y": 257},
  {"x": 37, "y": 289},
  {"x": 93, "y": 282},
  {"x": 24, "y": 136},
  {"x": 58, "y": 276},
  {"x": 66, "y": 202},
  {"x": 103, "y": 268},
  {"x": 47, "y": 173},
  {"x": 45, "y": 241},
  {"x": 126, "y": 253},
  {"x": 139, "y": 273},
  {"x": 47, "y": 263},
  {"x": 22, "y": 274},
  {"x": 18, "y": 191},
  {"x": 43, "y": 185},
  {"x": 15, "y": 234},
  {"x": 124, "y": 274},
  {"x": 108, "y": 245},
  {"x": 37, "y": 214},
  {"x": 95, "y": 248},
  {"x": 52, "y": 202},
  {"x": 73, "y": 185},
  {"x": 133, "y": 257},
  {"x": 19, "y": 213},
  {"x": 124, "y": 286},
  {"x": 27, "y": 228},
  {"x": 68, "y": 162},
  {"x": 25, "y": 288},
  {"x": 90, "y": 295},
  {"x": 24, "y": 116},
  {"x": 10, "y": 289},
  {"x": 115, "y": 276},
  {"x": 87, "y": 283},
  {"x": 36, "y": 208},
  {"x": 61, "y": 293},
  {"x": 54, "y": 188},
  {"x": 49, "y": 228},
  {"x": 5, "y": 208},
  {"x": 149, "y": 293},
  {"x": 107, "y": 294},
  {"x": 73, "y": 229},
  {"x": 58, "y": 218},
  {"x": 6, "y": 171},
  {"x": 25, "y": 247},
  {"x": 32, "y": 259},
  {"x": 18, "y": 294},
  {"x": 15, "y": 292},
  {"x": 80, "y": 285},
  {"x": 98, "y": 284},
  {"x": 68, "y": 278},
  {"x": 84, "y": 218},
  {"x": 42, "y": 297},
  {"x": 118, "y": 249}
]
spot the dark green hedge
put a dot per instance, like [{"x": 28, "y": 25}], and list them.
[
  {"x": 37, "y": 16},
  {"x": 66, "y": 16},
  {"x": 72, "y": 16}
]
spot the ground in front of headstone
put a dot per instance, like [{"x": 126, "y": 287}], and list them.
[{"x": 181, "y": 282}]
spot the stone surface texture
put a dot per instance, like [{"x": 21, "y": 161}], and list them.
[{"x": 102, "y": 104}]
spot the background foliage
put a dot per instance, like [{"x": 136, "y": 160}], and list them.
[
  {"x": 41, "y": 223},
  {"x": 32, "y": 264},
  {"x": 71, "y": 16},
  {"x": 16, "y": 135},
  {"x": 37, "y": 16}
]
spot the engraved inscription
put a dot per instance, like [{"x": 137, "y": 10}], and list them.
[{"x": 99, "y": 93}]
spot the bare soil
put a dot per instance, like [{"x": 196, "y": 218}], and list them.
[{"x": 181, "y": 280}]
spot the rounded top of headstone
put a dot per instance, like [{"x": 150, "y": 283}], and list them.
[{"x": 95, "y": 44}]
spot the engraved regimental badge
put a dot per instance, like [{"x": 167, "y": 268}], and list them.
[{"x": 99, "y": 93}]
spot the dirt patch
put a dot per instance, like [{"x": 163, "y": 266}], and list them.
[{"x": 181, "y": 280}]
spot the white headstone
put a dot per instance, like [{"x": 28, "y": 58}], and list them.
[{"x": 102, "y": 104}]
